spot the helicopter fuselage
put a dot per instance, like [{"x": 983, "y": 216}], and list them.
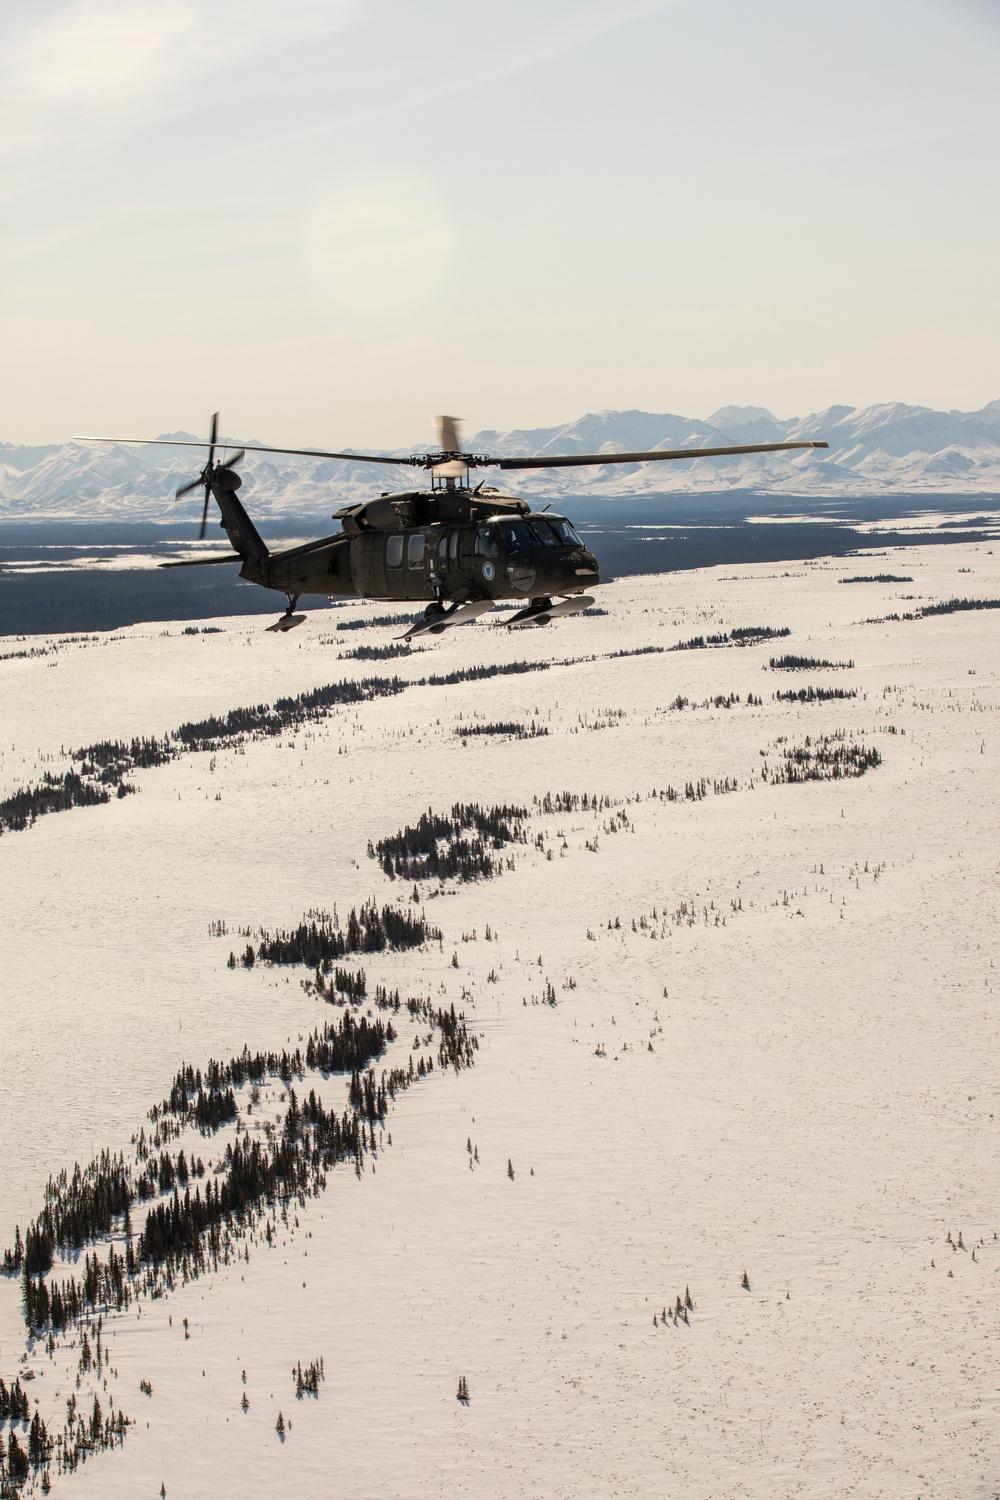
[{"x": 437, "y": 545}]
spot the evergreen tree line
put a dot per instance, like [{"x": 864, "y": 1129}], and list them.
[
  {"x": 635, "y": 651},
  {"x": 78, "y": 1210},
  {"x": 510, "y": 729},
  {"x": 367, "y": 620},
  {"x": 878, "y": 578},
  {"x": 288, "y": 713},
  {"x": 815, "y": 695},
  {"x": 792, "y": 663},
  {"x": 187, "y": 1230},
  {"x": 728, "y": 700},
  {"x": 437, "y": 846},
  {"x": 828, "y": 758},
  {"x": 55, "y": 794},
  {"x": 184, "y": 1236},
  {"x": 107, "y": 763},
  {"x": 319, "y": 943},
  {"x": 956, "y": 606},
  {"x": 740, "y": 635},
  {"x": 108, "y": 760},
  {"x": 558, "y": 802},
  {"x": 376, "y": 653}
]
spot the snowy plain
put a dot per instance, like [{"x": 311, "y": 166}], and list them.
[{"x": 788, "y": 1071}]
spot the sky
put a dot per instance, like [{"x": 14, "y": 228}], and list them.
[{"x": 331, "y": 219}]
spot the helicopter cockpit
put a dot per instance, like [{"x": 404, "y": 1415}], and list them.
[
  {"x": 536, "y": 531},
  {"x": 541, "y": 552}
]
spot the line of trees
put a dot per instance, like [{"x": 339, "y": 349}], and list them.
[
  {"x": 828, "y": 758},
  {"x": 509, "y": 728},
  {"x": 740, "y": 635},
  {"x": 815, "y": 695},
  {"x": 319, "y": 942},
  {"x": 441, "y": 846},
  {"x": 792, "y": 663},
  {"x": 193, "y": 1222}
]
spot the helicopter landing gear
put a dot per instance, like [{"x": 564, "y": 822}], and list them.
[
  {"x": 541, "y": 611},
  {"x": 288, "y": 620},
  {"x": 436, "y": 618}
]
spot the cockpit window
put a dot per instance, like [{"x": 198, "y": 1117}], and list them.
[
  {"x": 567, "y": 533},
  {"x": 543, "y": 531},
  {"x": 515, "y": 536},
  {"x": 486, "y": 543}
]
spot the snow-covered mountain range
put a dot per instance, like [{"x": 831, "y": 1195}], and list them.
[{"x": 889, "y": 448}]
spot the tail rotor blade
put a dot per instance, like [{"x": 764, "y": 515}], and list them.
[
  {"x": 234, "y": 460},
  {"x": 186, "y": 489},
  {"x": 212, "y": 438},
  {"x": 204, "y": 516}
]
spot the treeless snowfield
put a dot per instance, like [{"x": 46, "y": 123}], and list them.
[{"x": 768, "y": 1077}]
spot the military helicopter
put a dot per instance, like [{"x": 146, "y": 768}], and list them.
[{"x": 457, "y": 546}]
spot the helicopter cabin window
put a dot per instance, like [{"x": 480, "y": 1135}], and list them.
[
  {"x": 486, "y": 543},
  {"x": 394, "y": 551},
  {"x": 415, "y": 551},
  {"x": 443, "y": 551},
  {"x": 515, "y": 536},
  {"x": 453, "y": 542}
]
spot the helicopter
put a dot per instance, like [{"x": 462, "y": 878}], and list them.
[{"x": 456, "y": 547}]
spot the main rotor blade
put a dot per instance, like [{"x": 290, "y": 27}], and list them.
[
  {"x": 642, "y": 458},
  {"x": 201, "y": 562},
  {"x": 418, "y": 460}
]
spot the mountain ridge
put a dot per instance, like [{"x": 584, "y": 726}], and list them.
[{"x": 888, "y": 447}]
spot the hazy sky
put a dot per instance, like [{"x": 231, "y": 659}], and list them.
[{"x": 333, "y": 218}]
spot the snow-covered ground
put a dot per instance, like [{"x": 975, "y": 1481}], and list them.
[{"x": 784, "y": 1068}]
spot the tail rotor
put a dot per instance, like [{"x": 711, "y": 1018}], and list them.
[{"x": 212, "y": 472}]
